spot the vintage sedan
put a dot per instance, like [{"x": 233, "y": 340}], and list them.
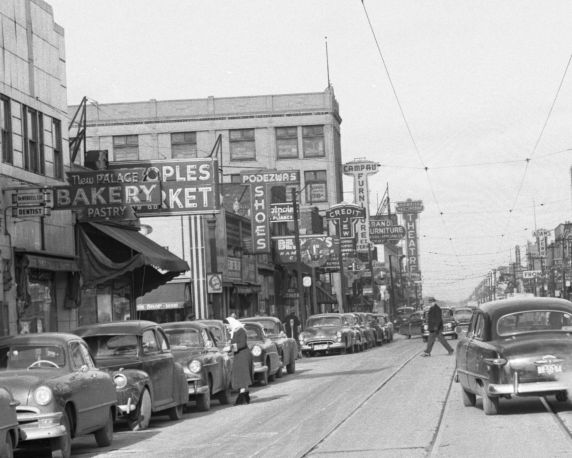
[
  {"x": 287, "y": 346},
  {"x": 402, "y": 318},
  {"x": 60, "y": 392},
  {"x": 147, "y": 377},
  {"x": 207, "y": 368},
  {"x": 413, "y": 326},
  {"x": 462, "y": 317},
  {"x": 267, "y": 363},
  {"x": 386, "y": 325},
  {"x": 516, "y": 347},
  {"x": 328, "y": 332},
  {"x": 9, "y": 431}
]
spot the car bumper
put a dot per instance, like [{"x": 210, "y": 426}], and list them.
[
  {"x": 322, "y": 346},
  {"x": 524, "y": 389},
  {"x": 40, "y": 426},
  {"x": 196, "y": 388}
]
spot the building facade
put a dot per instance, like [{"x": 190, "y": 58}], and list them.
[
  {"x": 36, "y": 247},
  {"x": 289, "y": 132}
]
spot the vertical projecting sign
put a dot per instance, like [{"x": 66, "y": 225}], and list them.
[
  {"x": 360, "y": 169},
  {"x": 260, "y": 183},
  {"x": 410, "y": 209}
]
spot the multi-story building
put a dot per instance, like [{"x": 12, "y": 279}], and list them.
[
  {"x": 39, "y": 268},
  {"x": 288, "y": 132}
]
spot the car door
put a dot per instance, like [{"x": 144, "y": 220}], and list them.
[
  {"x": 211, "y": 360},
  {"x": 158, "y": 362},
  {"x": 475, "y": 353},
  {"x": 462, "y": 350}
]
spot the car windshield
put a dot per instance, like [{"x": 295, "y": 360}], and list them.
[
  {"x": 270, "y": 327},
  {"x": 24, "y": 356},
  {"x": 321, "y": 321},
  {"x": 464, "y": 314},
  {"x": 534, "y": 321},
  {"x": 183, "y": 338},
  {"x": 109, "y": 346},
  {"x": 217, "y": 332},
  {"x": 447, "y": 314},
  {"x": 253, "y": 332},
  {"x": 404, "y": 312}
]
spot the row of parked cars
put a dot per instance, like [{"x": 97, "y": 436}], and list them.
[
  {"x": 56, "y": 386},
  {"x": 345, "y": 332}
]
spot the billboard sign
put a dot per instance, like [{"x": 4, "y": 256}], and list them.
[
  {"x": 409, "y": 206},
  {"x": 384, "y": 228},
  {"x": 315, "y": 250},
  {"x": 282, "y": 212},
  {"x": 345, "y": 217}
]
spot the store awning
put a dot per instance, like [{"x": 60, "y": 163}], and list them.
[
  {"x": 47, "y": 262},
  {"x": 108, "y": 252}
]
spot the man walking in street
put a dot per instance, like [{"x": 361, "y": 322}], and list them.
[{"x": 435, "y": 324}]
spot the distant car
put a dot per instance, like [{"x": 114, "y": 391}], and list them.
[
  {"x": 208, "y": 369},
  {"x": 448, "y": 324},
  {"x": 413, "y": 326},
  {"x": 462, "y": 317},
  {"x": 326, "y": 333},
  {"x": 402, "y": 317},
  {"x": 60, "y": 392},
  {"x": 372, "y": 322},
  {"x": 516, "y": 347},
  {"x": 386, "y": 325},
  {"x": 267, "y": 363},
  {"x": 287, "y": 346},
  {"x": 9, "y": 431},
  {"x": 359, "y": 339},
  {"x": 367, "y": 330},
  {"x": 147, "y": 377}
]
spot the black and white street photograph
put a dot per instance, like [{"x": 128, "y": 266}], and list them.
[{"x": 285, "y": 228}]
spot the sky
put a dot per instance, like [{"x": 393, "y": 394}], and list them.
[{"x": 466, "y": 105}]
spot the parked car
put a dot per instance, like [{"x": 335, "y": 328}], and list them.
[
  {"x": 9, "y": 431},
  {"x": 402, "y": 317},
  {"x": 267, "y": 364},
  {"x": 462, "y": 317},
  {"x": 413, "y": 326},
  {"x": 219, "y": 331},
  {"x": 516, "y": 347},
  {"x": 372, "y": 323},
  {"x": 359, "y": 339},
  {"x": 328, "y": 332},
  {"x": 287, "y": 346},
  {"x": 60, "y": 391},
  {"x": 448, "y": 324},
  {"x": 386, "y": 325},
  {"x": 148, "y": 379},
  {"x": 208, "y": 369}
]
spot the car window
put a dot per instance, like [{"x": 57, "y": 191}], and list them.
[
  {"x": 163, "y": 341},
  {"x": 86, "y": 356},
  {"x": 315, "y": 322},
  {"x": 106, "y": 346},
  {"x": 534, "y": 321},
  {"x": 253, "y": 332},
  {"x": 150, "y": 344},
  {"x": 479, "y": 331},
  {"x": 76, "y": 356},
  {"x": 22, "y": 356},
  {"x": 183, "y": 338}
]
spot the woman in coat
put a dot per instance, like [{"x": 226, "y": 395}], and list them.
[{"x": 242, "y": 369}]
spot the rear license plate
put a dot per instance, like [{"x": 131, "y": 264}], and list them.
[
  {"x": 321, "y": 347},
  {"x": 549, "y": 369}
]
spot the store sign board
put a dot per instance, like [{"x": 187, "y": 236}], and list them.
[
  {"x": 281, "y": 212},
  {"x": 315, "y": 250},
  {"x": 409, "y": 206},
  {"x": 345, "y": 218}
]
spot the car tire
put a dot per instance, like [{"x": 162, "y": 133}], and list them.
[
  {"x": 490, "y": 404},
  {"x": 61, "y": 446},
  {"x": 469, "y": 399},
  {"x": 264, "y": 380},
  {"x": 280, "y": 372},
  {"x": 291, "y": 368},
  {"x": 139, "y": 420},
  {"x": 271, "y": 377},
  {"x": 175, "y": 413},
  {"x": 351, "y": 348},
  {"x": 225, "y": 396},
  {"x": 104, "y": 436},
  {"x": 203, "y": 401}
]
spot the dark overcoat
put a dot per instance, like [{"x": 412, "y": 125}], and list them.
[
  {"x": 435, "y": 318},
  {"x": 242, "y": 368}
]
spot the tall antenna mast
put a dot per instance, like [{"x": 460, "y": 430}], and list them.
[{"x": 327, "y": 61}]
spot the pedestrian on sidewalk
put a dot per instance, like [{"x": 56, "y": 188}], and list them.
[
  {"x": 242, "y": 369},
  {"x": 435, "y": 325},
  {"x": 292, "y": 326}
]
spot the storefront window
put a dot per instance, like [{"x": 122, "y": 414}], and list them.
[
  {"x": 110, "y": 302},
  {"x": 35, "y": 312}
]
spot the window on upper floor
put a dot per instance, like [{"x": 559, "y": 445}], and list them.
[
  {"x": 6, "y": 130},
  {"x": 316, "y": 183},
  {"x": 183, "y": 145},
  {"x": 236, "y": 178},
  {"x": 57, "y": 147},
  {"x": 33, "y": 140},
  {"x": 313, "y": 141},
  {"x": 242, "y": 145},
  {"x": 126, "y": 147},
  {"x": 287, "y": 142}
]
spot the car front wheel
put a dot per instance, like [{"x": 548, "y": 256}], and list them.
[
  {"x": 140, "y": 419},
  {"x": 104, "y": 436},
  {"x": 204, "y": 400},
  {"x": 61, "y": 446}
]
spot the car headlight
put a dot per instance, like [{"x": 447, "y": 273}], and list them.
[
  {"x": 43, "y": 395},
  {"x": 448, "y": 326},
  {"x": 301, "y": 337},
  {"x": 195, "y": 366},
  {"x": 120, "y": 381},
  {"x": 256, "y": 350}
]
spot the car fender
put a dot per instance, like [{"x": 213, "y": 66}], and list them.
[
  {"x": 180, "y": 387},
  {"x": 137, "y": 381}
]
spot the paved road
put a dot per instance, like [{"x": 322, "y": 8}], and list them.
[{"x": 385, "y": 402}]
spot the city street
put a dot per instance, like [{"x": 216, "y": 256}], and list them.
[{"x": 386, "y": 401}]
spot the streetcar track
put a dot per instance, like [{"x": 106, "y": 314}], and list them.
[
  {"x": 436, "y": 439},
  {"x": 334, "y": 428},
  {"x": 557, "y": 419}
]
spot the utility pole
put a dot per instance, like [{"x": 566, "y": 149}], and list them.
[
  {"x": 301, "y": 304},
  {"x": 392, "y": 295}
]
